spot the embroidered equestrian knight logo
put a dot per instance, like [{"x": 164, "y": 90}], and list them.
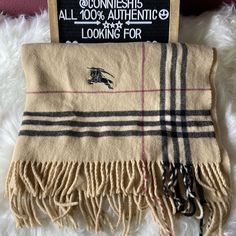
[{"x": 97, "y": 76}]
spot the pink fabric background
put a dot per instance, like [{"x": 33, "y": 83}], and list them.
[
  {"x": 29, "y": 7},
  {"x": 17, "y": 7}
]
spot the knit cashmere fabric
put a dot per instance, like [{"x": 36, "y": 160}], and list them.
[{"x": 131, "y": 125}]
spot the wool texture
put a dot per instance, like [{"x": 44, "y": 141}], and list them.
[{"x": 130, "y": 125}]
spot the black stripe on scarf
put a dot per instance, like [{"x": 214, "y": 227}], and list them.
[
  {"x": 163, "y": 100},
  {"x": 126, "y": 133},
  {"x": 173, "y": 99},
  {"x": 183, "y": 101},
  {"x": 161, "y": 112},
  {"x": 73, "y": 123}
]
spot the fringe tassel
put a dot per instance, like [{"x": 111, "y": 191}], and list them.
[{"x": 66, "y": 190}]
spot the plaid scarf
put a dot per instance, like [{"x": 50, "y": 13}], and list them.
[{"x": 130, "y": 125}]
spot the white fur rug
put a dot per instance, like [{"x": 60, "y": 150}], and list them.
[{"x": 217, "y": 29}]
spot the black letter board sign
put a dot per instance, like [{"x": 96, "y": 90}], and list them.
[{"x": 94, "y": 21}]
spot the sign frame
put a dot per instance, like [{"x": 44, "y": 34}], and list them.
[{"x": 173, "y": 20}]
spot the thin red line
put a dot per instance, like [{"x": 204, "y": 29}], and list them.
[
  {"x": 142, "y": 94},
  {"x": 143, "y": 143},
  {"x": 121, "y": 91}
]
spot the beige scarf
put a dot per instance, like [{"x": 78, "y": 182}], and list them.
[{"x": 131, "y": 126}]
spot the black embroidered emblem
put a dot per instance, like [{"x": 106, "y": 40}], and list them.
[{"x": 97, "y": 76}]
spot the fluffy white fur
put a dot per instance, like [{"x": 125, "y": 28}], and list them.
[{"x": 217, "y": 29}]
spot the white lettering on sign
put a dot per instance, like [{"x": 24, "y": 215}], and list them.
[
  {"x": 65, "y": 15},
  {"x": 107, "y": 4},
  {"x": 113, "y": 19}
]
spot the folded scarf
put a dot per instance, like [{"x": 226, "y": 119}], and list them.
[{"x": 131, "y": 126}]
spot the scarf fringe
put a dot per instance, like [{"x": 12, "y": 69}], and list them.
[{"x": 70, "y": 191}]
